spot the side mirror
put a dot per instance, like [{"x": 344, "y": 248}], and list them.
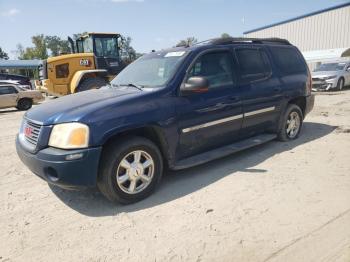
[
  {"x": 348, "y": 69},
  {"x": 195, "y": 84}
]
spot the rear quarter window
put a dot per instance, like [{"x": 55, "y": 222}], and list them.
[{"x": 288, "y": 60}]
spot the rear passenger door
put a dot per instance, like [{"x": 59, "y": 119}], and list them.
[{"x": 260, "y": 90}]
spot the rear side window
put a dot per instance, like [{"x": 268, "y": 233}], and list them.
[
  {"x": 253, "y": 63},
  {"x": 288, "y": 60}
]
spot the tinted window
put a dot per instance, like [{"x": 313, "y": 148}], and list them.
[
  {"x": 288, "y": 60},
  {"x": 5, "y": 90},
  {"x": 216, "y": 67},
  {"x": 253, "y": 63}
]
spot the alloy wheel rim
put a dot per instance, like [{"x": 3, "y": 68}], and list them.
[
  {"x": 135, "y": 172},
  {"x": 293, "y": 124}
]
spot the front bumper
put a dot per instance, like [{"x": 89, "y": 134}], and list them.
[
  {"x": 324, "y": 85},
  {"x": 51, "y": 165}
]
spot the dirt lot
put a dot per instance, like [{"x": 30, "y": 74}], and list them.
[{"x": 277, "y": 202}]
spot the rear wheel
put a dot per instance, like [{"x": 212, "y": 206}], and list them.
[
  {"x": 130, "y": 170},
  {"x": 91, "y": 83},
  {"x": 340, "y": 84},
  {"x": 24, "y": 104},
  {"x": 291, "y": 123}
]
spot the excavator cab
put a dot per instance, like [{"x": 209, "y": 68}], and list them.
[
  {"x": 95, "y": 60},
  {"x": 104, "y": 46}
]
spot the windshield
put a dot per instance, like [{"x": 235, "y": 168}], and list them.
[
  {"x": 152, "y": 70},
  {"x": 106, "y": 46},
  {"x": 330, "y": 67}
]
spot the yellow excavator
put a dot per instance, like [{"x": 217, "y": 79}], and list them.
[{"x": 94, "y": 61}]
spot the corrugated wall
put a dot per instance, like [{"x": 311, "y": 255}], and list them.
[{"x": 326, "y": 30}]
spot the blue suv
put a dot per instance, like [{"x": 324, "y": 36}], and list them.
[{"x": 172, "y": 109}]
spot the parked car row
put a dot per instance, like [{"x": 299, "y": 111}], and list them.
[
  {"x": 24, "y": 81},
  {"x": 173, "y": 109}
]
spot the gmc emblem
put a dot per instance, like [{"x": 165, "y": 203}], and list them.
[{"x": 28, "y": 131}]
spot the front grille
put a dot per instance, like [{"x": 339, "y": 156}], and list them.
[{"x": 31, "y": 132}]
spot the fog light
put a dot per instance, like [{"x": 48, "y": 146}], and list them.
[{"x": 74, "y": 156}]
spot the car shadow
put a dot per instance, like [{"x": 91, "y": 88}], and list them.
[
  {"x": 176, "y": 184},
  {"x": 8, "y": 111}
]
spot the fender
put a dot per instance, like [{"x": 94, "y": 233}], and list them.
[{"x": 78, "y": 76}]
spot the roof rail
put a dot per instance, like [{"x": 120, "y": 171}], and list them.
[{"x": 232, "y": 40}]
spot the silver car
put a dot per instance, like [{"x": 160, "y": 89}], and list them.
[{"x": 331, "y": 75}]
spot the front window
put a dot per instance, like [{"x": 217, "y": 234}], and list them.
[
  {"x": 330, "y": 67},
  {"x": 106, "y": 46},
  {"x": 152, "y": 70},
  {"x": 88, "y": 48}
]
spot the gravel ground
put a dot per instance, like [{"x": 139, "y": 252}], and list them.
[{"x": 276, "y": 202}]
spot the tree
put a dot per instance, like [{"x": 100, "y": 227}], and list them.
[
  {"x": 57, "y": 45},
  {"x": 128, "y": 53},
  {"x": 3, "y": 55},
  {"x": 39, "y": 51},
  {"x": 225, "y": 35},
  {"x": 187, "y": 42}
]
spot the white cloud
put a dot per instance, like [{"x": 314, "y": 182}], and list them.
[
  {"x": 127, "y": 1},
  {"x": 11, "y": 12}
]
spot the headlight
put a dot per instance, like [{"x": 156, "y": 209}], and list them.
[
  {"x": 329, "y": 77},
  {"x": 69, "y": 136}
]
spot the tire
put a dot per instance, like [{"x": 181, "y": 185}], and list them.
[
  {"x": 340, "y": 84},
  {"x": 112, "y": 172},
  {"x": 285, "y": 133},
  {"x": 91, "y": 83},
  {"x": 24, "y": 104}
]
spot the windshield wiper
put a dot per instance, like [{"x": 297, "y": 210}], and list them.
[{"x": 139, "y": 87}]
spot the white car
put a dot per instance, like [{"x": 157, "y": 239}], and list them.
[{"x": 331, "y": 75}]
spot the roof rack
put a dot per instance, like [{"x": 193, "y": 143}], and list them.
[{"x": 233, "y": 40}]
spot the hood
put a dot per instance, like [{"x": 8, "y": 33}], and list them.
[
  {"x": 74, "y": 107},
  {"x": 323, "y": 74}
]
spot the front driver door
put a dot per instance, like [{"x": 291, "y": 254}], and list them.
[{"x": 212, "y": 119}]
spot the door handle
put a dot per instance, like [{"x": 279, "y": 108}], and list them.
[{"x": 277, "y": 89}]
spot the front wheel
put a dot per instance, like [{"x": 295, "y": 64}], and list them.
[
  {"x": 291, "y": 123},
  {"x": 24, "y": 104},
  {"x": 130, "y": 170},
  {"x": 340, "y": 84}
]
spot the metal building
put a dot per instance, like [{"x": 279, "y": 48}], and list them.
[{"x": 321, "y": 35}]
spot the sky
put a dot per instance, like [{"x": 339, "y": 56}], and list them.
[{"x": 152, "y": 24}]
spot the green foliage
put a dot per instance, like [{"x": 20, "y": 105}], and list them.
[
  {"x": 57, "y": 45},
  {"x": 39, "y": 51},
  {"x": 3, "y": 54},
  {"x": 76, "y": 36},
  {"x": 187, "y": 42},
  {"x": 225, "y": 35},
  {"x": 128, "y": 53},
  {"x": 43, "y": 45}
]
